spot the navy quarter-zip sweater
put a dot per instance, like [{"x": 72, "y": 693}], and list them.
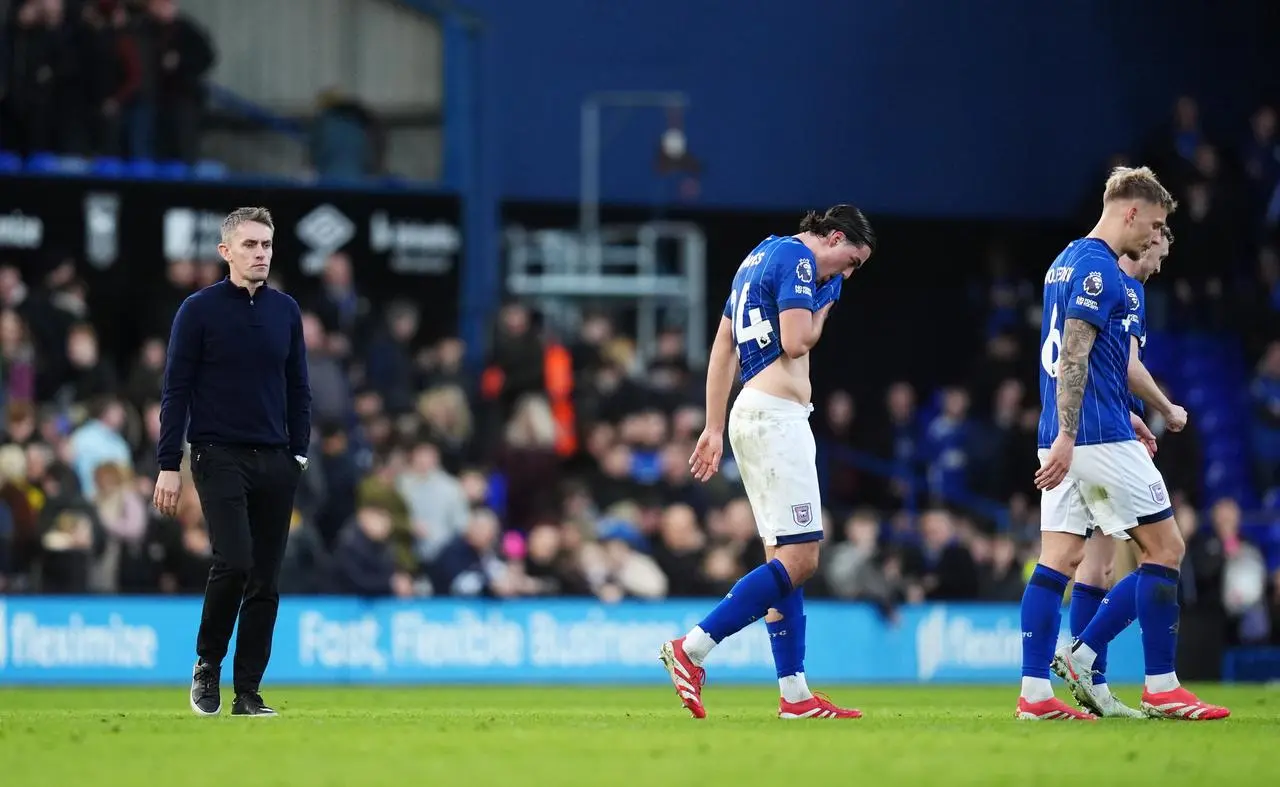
[{"x": 237, "y": 367}]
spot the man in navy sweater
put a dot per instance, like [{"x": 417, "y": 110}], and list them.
[{"x": 237, "y": 369}]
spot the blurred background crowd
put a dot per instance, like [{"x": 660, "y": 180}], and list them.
[
  {"x": 127, "y": 83},
  {"x": 560, "y": 468},
  {"x": 112, "y": 78}
]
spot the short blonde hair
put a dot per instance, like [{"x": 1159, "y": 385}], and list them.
[
  {"x": 533, "y": 425},
  {"x": 1139, "y": 183},
  {"x": 243, "y": 216}
]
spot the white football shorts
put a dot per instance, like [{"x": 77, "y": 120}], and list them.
[
  {"x": 1112, "y": 487},
  {"x": 778, "y": 460}
]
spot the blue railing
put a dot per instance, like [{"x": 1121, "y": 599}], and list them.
[
  {"x": 918, "y": 489},
  {"x": 233, "y": 103}
]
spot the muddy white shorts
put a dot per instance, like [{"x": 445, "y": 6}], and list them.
[
  {"x": 777, "y": 458},
  {"x": 1112, "y": 487}
]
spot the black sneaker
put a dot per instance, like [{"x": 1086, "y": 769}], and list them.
[
  {"x": 250, "y": 704},
  {"x": 206, "y": 695}
]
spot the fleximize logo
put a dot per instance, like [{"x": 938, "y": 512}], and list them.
[{"x": 957, "y": 641}]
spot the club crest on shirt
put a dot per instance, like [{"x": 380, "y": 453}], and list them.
[
  {"x": 802, "y": 513},
  {"x": 1093, "y": 283},
  {"x": 1157, "y": 493},
  {"x": 804, "y": 271},
  {"x": 1133, "y": 299}
]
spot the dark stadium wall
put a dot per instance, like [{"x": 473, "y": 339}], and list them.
[{"x": 815, "y": 101}]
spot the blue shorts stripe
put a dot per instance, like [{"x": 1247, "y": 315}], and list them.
[
  {"x": 800, "y": 538},
  {"x": 1159, "y": 516}
]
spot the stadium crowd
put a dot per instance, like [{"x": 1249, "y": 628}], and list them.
[
  {"x": 562, "y": 468},
  {"x": 112, "y": 78}
]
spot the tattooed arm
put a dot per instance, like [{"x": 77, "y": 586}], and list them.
[{"x": 1073, "y": 371}]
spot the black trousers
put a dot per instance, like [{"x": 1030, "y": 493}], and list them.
[{"x": 247, "y": 497}]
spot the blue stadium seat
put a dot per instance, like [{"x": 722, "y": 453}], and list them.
[
  {"x": 108, "y": 167},
  {"x": 1159, "y": 358},
  {"x": 209, "y": 170},
  {"x": 1215, "y": 417},
  {"x": 44, "y": 163},
  {"x": 1200, "y": 370},
  {"x": 1207, "y": 396},
  {"x": 173, "y": 170},
  {"x": 1254, "y": 664},
  {"x": 1271, "y": 499},
  {"x": 141, "y": 168},
  {"x": 1227, "y": 450}
]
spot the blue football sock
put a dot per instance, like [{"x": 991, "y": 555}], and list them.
[
  {"x": 1041, "y": 620},
  {"x": 786, "y": 636},
  {"x": 1117, "y": 612},
  {"x": 1085, "y": 601},
  {"x": 748, "y": 600},
  {"x": 1157, "y": 599}
]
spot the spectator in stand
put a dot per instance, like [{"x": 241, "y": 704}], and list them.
[
  {"x": 330, "y": 386},
  {"x": 528, "y": 463},
  {"x": 949, "y": 441},
  {"x": 145, "y": 381},
  {"x": 17, "y": 359},
  {"x": 390, "y": 365},
  {"x": 618, "y": 567},
  {"x": 111, "y": 74},
  {"x": 471, "y": 564},
  {"x": 516, "y": 368},
  {"x": 71, "y": 537},
  {"x": 680, "y": 550},
  {"x": 1174, "y": 147},
  {"x": 839, "y": 476},
  {"x": 342, "y": 309},
  {"x": 307, "y": 568},
  {"x": 345, "y": 140},
  {"x": 1265, "y": 393},
  {"x": 437, "y": 504},
  {"x": 41, "y": 80},
  {"x": 895, "y": 439},
  {"x": 139, "y": 112},
  {"x": 1261, "y": 158},
  {"x": 86, "y": 373},
  {"x": 941, "y": 563},
  {"x": 122, "y": 565},
  {"x": 855, "y": 568},
  {"x": 1000, "y": 575},
  {"x": 365, "y": 562},
  {"x": 184, "y": 58},
  {"x": 99, "y": 440}
]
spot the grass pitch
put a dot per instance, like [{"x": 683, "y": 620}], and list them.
[{"x": 911, "y": 735}]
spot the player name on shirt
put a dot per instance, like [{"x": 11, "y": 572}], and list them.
[
  {"x": 777, "y": 275},
  {"x": 1085, "y": 283}
]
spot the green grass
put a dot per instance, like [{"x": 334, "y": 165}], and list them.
[{"x": 577, "y": 736}]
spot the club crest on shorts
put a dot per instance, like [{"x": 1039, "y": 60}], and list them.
[
  {"x": 1157, "y": 493},
  {"x": 802, "y": 513}
]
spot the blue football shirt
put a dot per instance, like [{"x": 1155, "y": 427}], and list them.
[
  {"x": 777, "y": 275},
  {"x": 1135, "y": 324},
  {"x": 1085, "y": 283}
]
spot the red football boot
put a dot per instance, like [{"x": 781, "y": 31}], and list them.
[
  {"x": 686, "y": 676},
  {"x": 1180, "y": 704},
  {"x": 819, "y": 706},
  {"x": 1052, "y": 709}
]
